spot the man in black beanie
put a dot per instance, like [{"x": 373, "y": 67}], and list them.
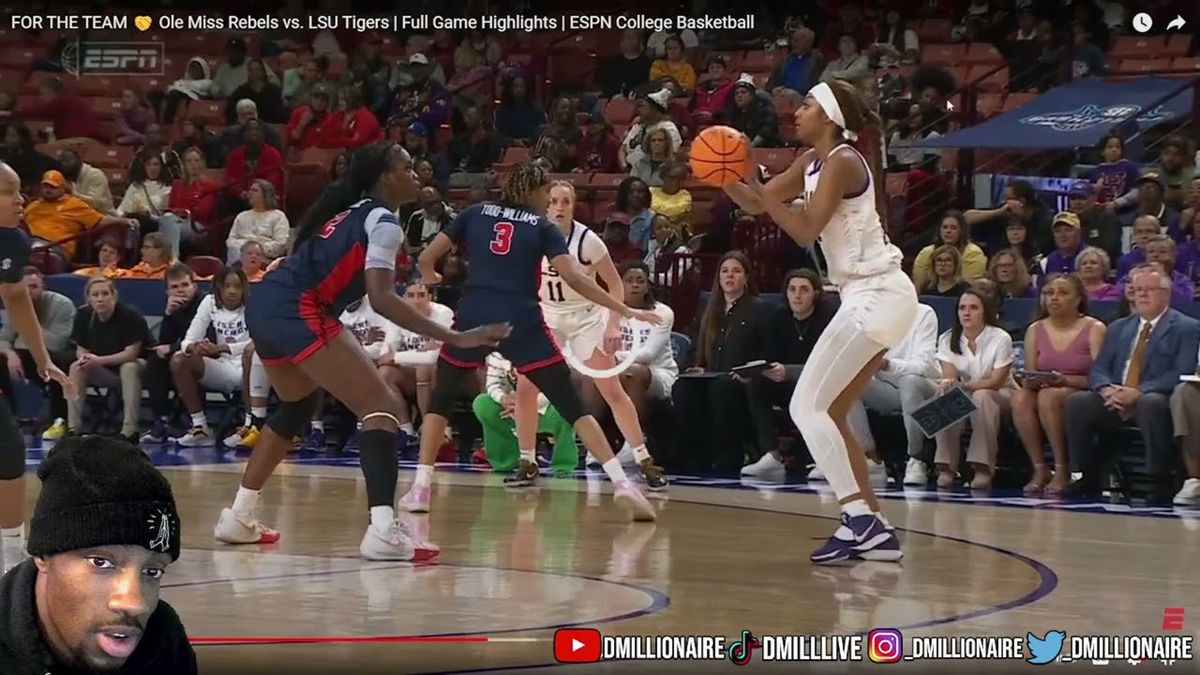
[{"x": 104, "y": 530}]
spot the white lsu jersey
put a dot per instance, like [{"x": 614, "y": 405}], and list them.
[
  {"x": 586, "y": 247},
  {"x": 855, "y": 245}
]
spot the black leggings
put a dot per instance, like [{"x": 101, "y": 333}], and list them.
[{"x": 712, "y": 423}]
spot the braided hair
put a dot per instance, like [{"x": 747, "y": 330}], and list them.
[
  {"x": 367, "y": 164},
  {"x": 524, "y": 180}
]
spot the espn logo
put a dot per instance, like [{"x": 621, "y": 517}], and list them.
[{"x": 115, "y": 58}]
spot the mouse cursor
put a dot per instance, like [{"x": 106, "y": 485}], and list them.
[{"x": 1176, "y": 23}]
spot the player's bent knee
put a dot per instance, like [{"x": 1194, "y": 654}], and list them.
[
  {"x": 450, "y": 384},
  {"x": 293, "y": 417}
]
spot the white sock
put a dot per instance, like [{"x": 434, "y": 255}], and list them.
[
  {"x": 319, "y": 425},
  {"x": 245, "y": 501},
  {"x": 640, "y": 453},
  {"x": 199, "y": 420},
  {"x": 616, "y": 473},
  {"x": 424, "y": 475},
  {"x": 407, "y": 428},
  {"x": 856, "y": 508},
  {"x": 259, "y": 411},
  {"x": 529, "y": 456},
  {"x": 382, "y": 517},
  {"x": 249, "y": 420}
]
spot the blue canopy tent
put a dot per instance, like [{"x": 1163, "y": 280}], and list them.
[{"x": 1078, "y": 114}]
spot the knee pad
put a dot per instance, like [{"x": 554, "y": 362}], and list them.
[
  {"x": 293, "y": 417},
  {"x": 449, "y": 384},
  {"x": 555, "y": 382}
]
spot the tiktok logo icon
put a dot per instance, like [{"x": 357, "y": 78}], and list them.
[{"x": 741, "y": 650}]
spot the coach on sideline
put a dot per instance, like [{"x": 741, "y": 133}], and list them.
[{"x": 103, "y": 532}]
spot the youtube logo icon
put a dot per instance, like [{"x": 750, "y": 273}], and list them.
[{"x": 577, "y": 645}]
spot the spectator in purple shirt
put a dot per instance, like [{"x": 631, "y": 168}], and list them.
[
  {"x": 1117, "y": 176},
  {"x": 1144, "y": 228},
  {"x": 1068, "y": 242},
  {"x": 1093, "y": 267},
  {"x": 1161, "y": 251}
]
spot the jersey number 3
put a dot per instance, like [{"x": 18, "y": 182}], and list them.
[{"x": 502, "y": 241}]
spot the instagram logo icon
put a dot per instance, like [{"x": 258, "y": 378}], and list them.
[{"x": 885, "y": 645}]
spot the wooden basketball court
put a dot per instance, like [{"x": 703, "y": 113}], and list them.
[{"x": 723, "y": 557}]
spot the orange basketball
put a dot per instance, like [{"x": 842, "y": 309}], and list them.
[{"x": 719, "y": 155}]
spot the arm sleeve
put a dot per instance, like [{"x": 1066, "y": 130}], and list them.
[
  {"x": 922, "y": 356},
  {"x": 1004, "y": 352},
  {"x": 496, "y": 381},
  {"x": 943, "y": 349},
  {"x": 383, "y": 239},
  {"x": 553, "y": 242},
  {"x": 280, "y": 231},
  {"x": 660, "y": 336},
  {"x": 200, "y": 323},
  {"x": 57, "y": 326},
  {"x": 594, "y": 249}
]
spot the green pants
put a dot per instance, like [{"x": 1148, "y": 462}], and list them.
[{"x": 500, "y": 441}]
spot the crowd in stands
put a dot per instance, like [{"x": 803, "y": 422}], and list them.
[{"x": 219, "y": 157}]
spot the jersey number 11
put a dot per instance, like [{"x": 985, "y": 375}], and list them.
[{"x": 554, "y": 290}]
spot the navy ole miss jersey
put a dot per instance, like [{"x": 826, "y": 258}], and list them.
[
  {"x": 327, "y": 270},
  {"x": 506, "y": 244},
  {"x": 14, "y": 254}
]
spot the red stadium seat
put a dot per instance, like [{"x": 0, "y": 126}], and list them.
[
  {"x": 1138, "y": 46},
  {"x": 1142, "y": 65},
  {"x": 997, "y": 81},
  {"x": 212, "y": 112},
  {"x": 776, "y": 160},
  {"x": 1185, "y": 63},
  {"x": 897, "y": 184},
  {"x": 1178, "y": 45},
  {"x": 514, "y": 156},
  {"x": 933, "y": 31},
  {"x": 758, "y": 61},
  {"x": 943, "y": 55},
  {"x": 204, "y": 265},
  {"x": 107, "y": 156},
  {"x": 322, "y": 157},
  {"x": 619, "y": 111},
  {"x": 118, "y": 179},
  {"x": 983, "y": 53},
  {"x": 18, "y": 57},
  {"x": 989, "y": 105},
  {"x": 106, "y": 107}
]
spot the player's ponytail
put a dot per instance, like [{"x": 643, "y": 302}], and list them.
[
  {"x": 864, "y": 121},
  {"x": 524, "y": 180},
  {"x": 367, "y": 164}
]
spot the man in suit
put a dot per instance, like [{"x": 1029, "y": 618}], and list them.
[{"x": 1143, "y": 356}]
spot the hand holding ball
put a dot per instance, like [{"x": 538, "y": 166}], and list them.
[{"x": 719, "y": 156}]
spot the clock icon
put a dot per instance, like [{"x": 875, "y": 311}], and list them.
[{"x": 1142, "y": 22}]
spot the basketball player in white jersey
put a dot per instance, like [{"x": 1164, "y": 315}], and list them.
[
  {"x": 841, "y": 207},
  {"x": 591, "y": 333}
]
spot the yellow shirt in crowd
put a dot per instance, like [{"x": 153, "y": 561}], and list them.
[
  {"x": 64, "y": 217},
  {"x": 681, "y": 72},
  {"x": 974, "y": 263},
  {"x": 677, "y": 207}
]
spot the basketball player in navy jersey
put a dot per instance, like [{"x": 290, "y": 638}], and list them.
[
  {"x": 14, "y": 256},
  {"x": 505, "y": 243},
  {"x": 345, "y": 248}
]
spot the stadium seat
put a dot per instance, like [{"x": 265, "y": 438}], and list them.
[
  {"x": 512, "y": 157},
  {"x": 204, "y": 265},
  {"x": 1185, "y": 63},
  {"x": 322, "y": 157},
  {"x": 758, "y": 61},
  {"x": 897, "y": 184},
  {"x": 576, "y": 67},
  {"x": 985, "y": 82},
  {"x": 118, "y": 179},
  {"x": 619, "y": 111},
  {"x": 212, "y": 112},
  {"x": 983, "y": 53},
  {"x": 1142, "y": 65},
  {"x": 1138, "y": 46},
  {"x": 933, "y": 31},
  {"x": 10, "y": 80},
  {"x": 1017, "y": 99},
  {"x": 106, "y": 156},
  {"x": 106, "y": 108},
  {"x": 943, "y": 55},
  {"x": 989, "y": 105},
  {"x": 18, "y": 57},
  {"x": 776, "y": 160},
  {"x": 1178, "y": 45}
]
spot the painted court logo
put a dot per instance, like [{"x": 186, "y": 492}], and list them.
[
  {"x": 113, "y": 58},
  {"x": 1090, "y": 116}
]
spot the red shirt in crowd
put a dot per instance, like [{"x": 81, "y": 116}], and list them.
[
  {"x": 71, "y": 114},
  {"x": 318, "y": 133},
  {"x": 598, "y": 153},
  {"x": 199, "y": 197},
  {"x": 239, "y": 174},
  {"x": 354, "y": 129}
]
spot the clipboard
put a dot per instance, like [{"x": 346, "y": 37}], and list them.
[
  {"x": 752, "y": 368},
  {"x": 941, "y": 412}
]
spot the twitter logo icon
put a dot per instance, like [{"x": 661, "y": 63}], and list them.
[{"x": 1044, "y": 650}]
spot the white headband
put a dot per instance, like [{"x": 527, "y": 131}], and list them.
[{"x": 828, "y": 102}]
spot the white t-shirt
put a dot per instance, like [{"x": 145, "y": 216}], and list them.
[
  {"x": 228, "y": 324},
  {"x": 415, "y": 349},
  {"x": 588, "y": 248},
  {"x": 994, "y": 349},
  {"x": 362, "y": 320},
  {"x": 502, "y": 381},
  {"x": 655, "y": 351}
]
